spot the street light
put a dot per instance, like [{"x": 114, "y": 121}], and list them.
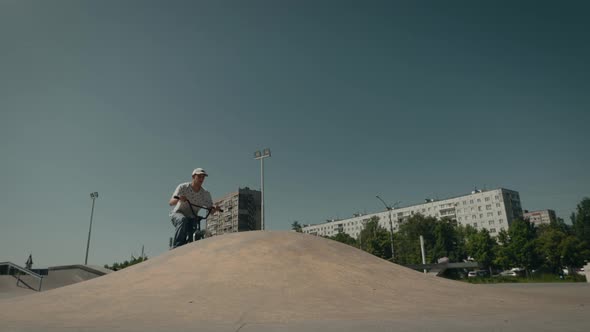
[
  {"x": 93, "y": 196},
  {"x": 261, "y": 155},
  {"x": 389, "y": 208}
]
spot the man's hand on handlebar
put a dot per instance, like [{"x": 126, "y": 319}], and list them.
[{"x": 180, "y": 198}]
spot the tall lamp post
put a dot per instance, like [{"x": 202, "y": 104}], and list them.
[
  {"x": 389, "y": 208},
  {"x": 261, "y": 155},
  {"x": 93, "y": 196}
]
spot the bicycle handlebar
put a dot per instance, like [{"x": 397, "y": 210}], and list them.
[{"x": 199, "y": 206}]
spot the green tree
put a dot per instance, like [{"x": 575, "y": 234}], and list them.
[
  {"x": 562, "y": 226},
  {"x": 481, "y": 247},
  {"x": 504, "y": 257},
  {"x": 464, "y": 233},
  {"x": 581, "y": 222},
  {"x": 118, "y": 266},
  {"x": 522, "y": 235},
  {"x": 296, "y": 226},
  {"x": 445, "y": 236},
  {"x": 407, "y": 240},
  {"x": 344, "y": 238},
  {"x": 573, "y": 252},
  {"x": 549, "y": 239},
  {"x": 375, "y": 239}
]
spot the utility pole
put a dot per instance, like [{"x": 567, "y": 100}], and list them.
[
  {"x": 389, "y": 208},
  {"x": 422, "y": 250},
  {"x": 93, "y": 196}
]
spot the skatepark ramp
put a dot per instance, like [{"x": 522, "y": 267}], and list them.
[
  {"x": 280, "y": 281},
  {"x": 21, "y": 275},
  {"x": 16, "y": 280}
]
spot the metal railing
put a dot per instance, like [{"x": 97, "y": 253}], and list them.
[
  {"x": 25, "y": 271},
  {"x": 439, "y": 268}
]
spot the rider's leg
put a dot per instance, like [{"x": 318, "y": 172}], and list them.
[
  {"x": 183, "y": 229},
  {"x": 191, "y": 228}
]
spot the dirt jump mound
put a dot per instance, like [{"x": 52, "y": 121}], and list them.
[{"x": 265, "y": 280}]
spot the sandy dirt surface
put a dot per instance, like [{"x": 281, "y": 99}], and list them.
[{"x": 279, "y": 281}]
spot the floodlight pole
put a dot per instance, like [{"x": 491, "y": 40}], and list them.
[
  {"x": 258, "y": 155},
  {"x": 422, "y": 250},
  {"x": 93, "y": 196},
  {"x": 389, "y": 208}
]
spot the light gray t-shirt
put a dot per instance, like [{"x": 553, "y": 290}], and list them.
[{"x": 201, "y": 197}]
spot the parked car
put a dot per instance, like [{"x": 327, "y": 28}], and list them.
[
  {"x": 509, "y": 273},
  {"x": 566, "y": 272},
  {"x": 478, "y": 273}
]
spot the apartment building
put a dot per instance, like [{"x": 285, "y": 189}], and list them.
[
  {"x": 540, "y": 217},
  {"x": 493, "y": 210},
  {"x": 241, "y": 212}
]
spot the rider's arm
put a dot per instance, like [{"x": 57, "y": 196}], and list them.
[
  {"x": 210, "y": 205},
  {"x": 177, "y": 193},
  {"x": 174, "y": 201}
]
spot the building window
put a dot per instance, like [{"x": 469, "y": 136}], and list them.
[
  {"x": 479, "y": 200},
  {"x": 475, "y": 224},
  {"x": 459, "y": 218},
  {"x": 464, "y": 202},
  {"x": 474, "y": 216},
  {"x": 499, "y": 213},
  {"x": 492, "y": 230},
  {"x": 481, "y": 216},
  {"x": 497, "y": 198},
  {"x": 491, "y": 222},
  {"x": 490, "y": 214},
  {"x": 487, "y": 199},
  {"x": 489, "y": 207},
  {"x": 471, "y": 201},
  {"x": 497, "y": 204}
]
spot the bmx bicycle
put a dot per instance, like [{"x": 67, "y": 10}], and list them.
[{"x": 195, "y": 225}]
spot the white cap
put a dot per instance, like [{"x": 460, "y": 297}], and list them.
[{"x": 199, "y": 171}]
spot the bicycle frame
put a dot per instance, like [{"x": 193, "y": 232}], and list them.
[{"x": 196, "y": 227}]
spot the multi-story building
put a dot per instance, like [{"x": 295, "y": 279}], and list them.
[
  {"x": 241, "y": 212},
  {"x": 540, "y": 217},
  {"x": 493, "y": 210}
]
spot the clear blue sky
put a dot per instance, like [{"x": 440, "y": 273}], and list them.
[{"x": 405, "y": 99}]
